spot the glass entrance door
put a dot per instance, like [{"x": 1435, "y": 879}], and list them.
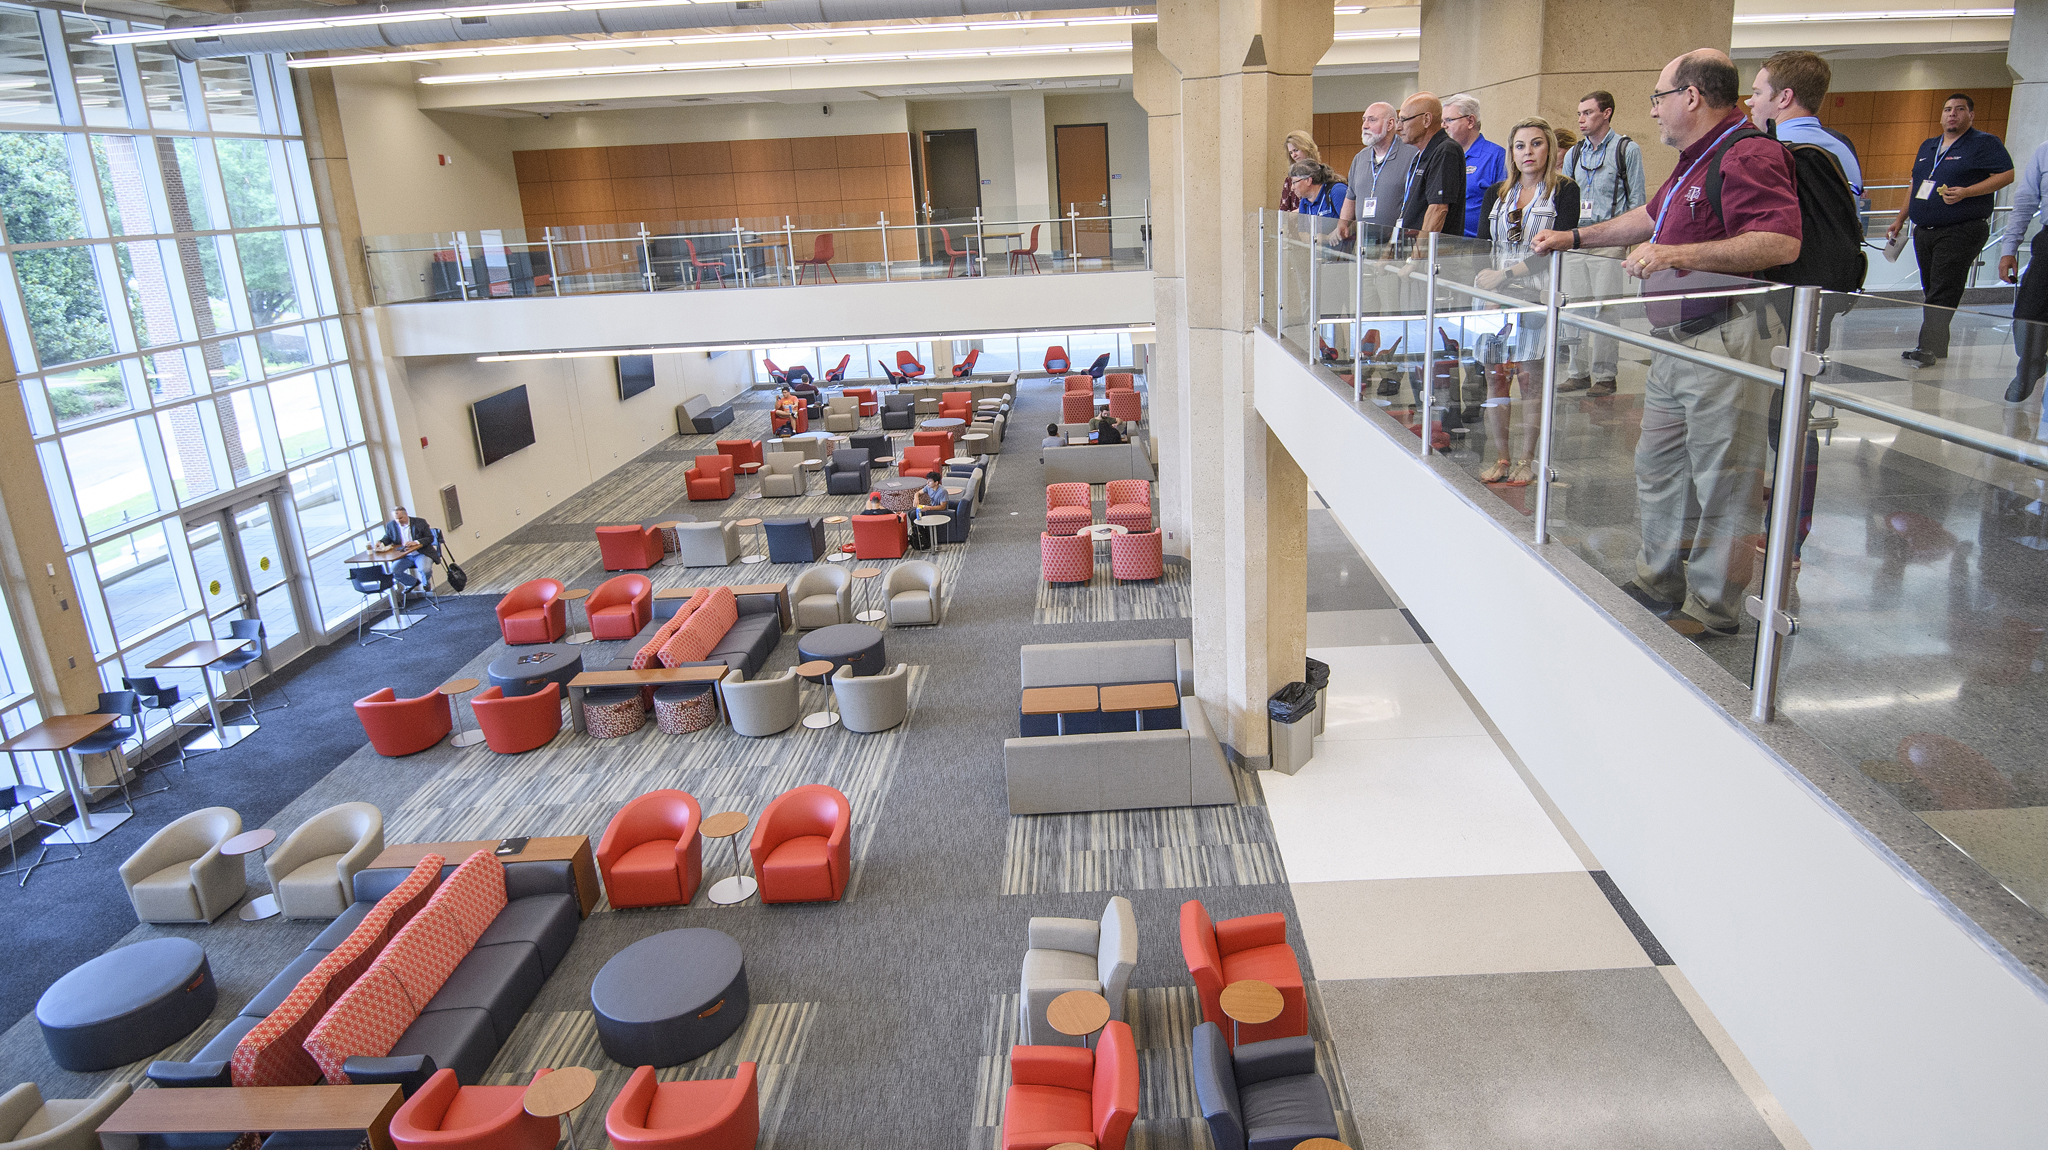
[{"x": 244, "y": 571}]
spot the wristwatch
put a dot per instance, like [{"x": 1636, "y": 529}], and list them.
[{"x": 1575, "y": 239}]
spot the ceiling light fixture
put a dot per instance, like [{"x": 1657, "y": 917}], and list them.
[
  {"x": 1857, "y": 17},
  {"x": 607, "y": 352},
  {"x": 772, "y": 62},
  {"x": 711, "y": 39},
  {"x": 266, "y": 27},
  {"x": 1380, "y": 34}
]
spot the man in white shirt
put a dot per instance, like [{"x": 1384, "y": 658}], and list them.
[
  {"x": 1608, "y": 167},
  {"x": 2030, "y": 339}
]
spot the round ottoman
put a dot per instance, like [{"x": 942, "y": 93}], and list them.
[
  {"x": 670, "y": 998},
  {"x": 127, "y": 1004},
  {"x": 613, "y": 712},
  {"x": 855, "y": 645},
  {"x": 680, "y": 708},
  {"x": 526, "y": 669}
]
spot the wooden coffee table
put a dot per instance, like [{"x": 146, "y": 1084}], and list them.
[
  {"x": 572, "y": 849},
  {"x": 231, "y": 1109},
  {"x": 740, "y": 886}
]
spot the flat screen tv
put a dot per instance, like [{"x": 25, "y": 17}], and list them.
[
  {"x": 636, "y": 374},
  {"x": 503, "y": 423}
]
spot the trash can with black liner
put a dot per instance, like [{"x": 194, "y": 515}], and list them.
[
  {"x": 1290, "y": 726},
  {"x": 1318, "y": 677}
]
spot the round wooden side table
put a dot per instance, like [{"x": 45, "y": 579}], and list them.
[
  {"x": 740, "y": 886},
  {"x": 869, "y": 616},
  {"x": 559, "y": 1093},
  {"x": 1250, "y": 1001},
  {"x": 577, "y": 595},
  {"x": 837, "y": 556},
  {"x": 671, "y": 542},
  {"x": 751, "y": 469},
  {"x": 750, "y": 558},
  {"x": 818, "y": 720},
  {"x": 1321, "y": 1144},
  {"x": 263, "y": 905},
  {"x": 464, "y": 737},
  {"x": 1078, "y": 1014}
]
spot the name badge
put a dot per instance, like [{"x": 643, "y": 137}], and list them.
[
  {"x": 1926, "y": 190},
  {"x": 1368, "y": 206}
]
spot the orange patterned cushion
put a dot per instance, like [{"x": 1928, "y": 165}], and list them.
[
  {"x": 647, "y": 654},
  {"x": 474, "y": 894},
  {"x": 707, "y": 625},
  {"x": 424, "y": 954},
  {"x": 272, "y": 1054},
  {"x": 366, "y": 1021}
]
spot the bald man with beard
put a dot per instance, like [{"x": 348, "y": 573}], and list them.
[{"x": 1374, "y": 206}]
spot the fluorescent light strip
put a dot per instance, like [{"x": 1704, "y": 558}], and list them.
[
  {"x": 267, "y": 27},
  {"x": 605, "y": 353},
  {"x": 1381, "y": 34},
  {"x": 1856, "y": 17},
  {"x": 711, "y": 39},
  {"x": 772, "y": 62}
]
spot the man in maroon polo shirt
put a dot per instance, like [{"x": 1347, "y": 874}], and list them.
[{"x": 1700, "y": 461}]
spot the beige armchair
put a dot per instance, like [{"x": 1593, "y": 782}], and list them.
[
  {"x": 822, "y": 596},
  {"x": 28, "y": 1122},
  {"x": 842, "y": 413},
  {"x": 782, "y": 473},
  {"x": 313, "y": 871},
  {"x": 180, "y": 875},
  {"x": 764, "y": 706},
  {"x": 871, "y": 703},
  {"x": 712, "y": 544},
  {"x": 912, "y": 590}
]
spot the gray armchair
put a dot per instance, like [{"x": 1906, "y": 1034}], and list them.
[
  {"x": 180, "y": 875},
  {"x": 842, "y": 413},
  {"x": 822, "y": 596},
  {"x": 846, "y": 473},
  {"x": 313, "y": 871},
  {"x": 898, "y": 411},
  {"x": 912, "y": 590},
  {"x": 713, "y": 544},
  {"x": 782, "y": 473},
  {"x": 28, "y": 1122},
  {"x": 764, "y": 706},
  {"x": 1265, "y": 1095},
  {"x": 871, "y": 703},
  {"x": 1076, "y": 954}
]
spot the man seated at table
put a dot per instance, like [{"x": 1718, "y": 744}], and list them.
[
  {"x": 931, "y": 498},
  {"x": 417, "y": 538},
  {"x": 1106, "y": 430}
]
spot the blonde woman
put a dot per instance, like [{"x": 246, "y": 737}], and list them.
[
  {"x": 1300, "y": 146},
  {"x": 1532, "y": 199}
]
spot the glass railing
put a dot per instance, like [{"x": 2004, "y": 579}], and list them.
[
  {"x": 745, "y": 252},
  {"x": 1882, "y": 582}
]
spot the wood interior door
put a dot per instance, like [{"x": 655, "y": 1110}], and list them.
[{"x": 1081, "y": 153}]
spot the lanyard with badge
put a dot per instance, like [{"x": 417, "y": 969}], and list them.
[
  {"x": 1679, "y": 184},
  {"x": 1926, "y": 189},
  {"x": 1368, "y": 206}
]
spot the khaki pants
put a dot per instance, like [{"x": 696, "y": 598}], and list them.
[
  {"x": 1592, "y": 356},
  {"x": 1700, "y": 473}
]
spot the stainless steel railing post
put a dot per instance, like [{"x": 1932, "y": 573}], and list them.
[
  {"x": 882, "y": 221},
  {"x": 1262, "y": 268},
  {"x": 1553, "y": 300},
  {"x": 1314, "y": 336},
  {"x": 1775, "y": 624},
  {"x": 1358, "y": 315},
  {"x": 1426, "y": 392}
]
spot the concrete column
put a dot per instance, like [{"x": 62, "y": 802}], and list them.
[
  {"x": 1525, "y": 59},
  {"x": 1156, "y": 83},
  {"x": 2026, "y": 126},
  {"x": 1033, "y": 167},
  {"x": 1244, "y": 74}
]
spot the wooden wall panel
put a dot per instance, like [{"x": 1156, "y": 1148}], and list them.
[
  {"x": 711, "y": 157},
  {"x": 760, "y": 156},
  {"x": 1889, "y": 127},
  {"x": 643, "y": 160}
]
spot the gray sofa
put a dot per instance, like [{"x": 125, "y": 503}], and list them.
[
  {"x": 1097, "y": 463},
  {"x": 1118, "y": 770},
  {"x": 746, "y": 645},
  {"x": 698, "y": 415}
]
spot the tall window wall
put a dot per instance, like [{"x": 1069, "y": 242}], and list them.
[{"x": 168, "y": 302}]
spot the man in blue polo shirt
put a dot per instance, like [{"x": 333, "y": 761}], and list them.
[
  {"x": 1954, "y": 178},
  {"x": 1486, "y": 163}
]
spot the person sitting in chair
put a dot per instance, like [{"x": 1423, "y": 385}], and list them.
[
  {"x": 787, "y": 407},
  {"x": 416, "y": 537},
  {"x": 930, "y": 498},
  {"x": 1106, "y": 430}
]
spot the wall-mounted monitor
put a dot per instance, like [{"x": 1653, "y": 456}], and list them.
[
  {"x": 636, "y": 374},
  {"x": 503, "y": 424}
]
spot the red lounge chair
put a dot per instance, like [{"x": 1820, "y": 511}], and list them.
[
  {"x": 651, "y": 854},
  {"x": 838, "y": 374},
  {"x": 402, "y": 726},
  {"x": 446, "y": 1115},
  {"x": 907, "y": 365},
  {"x": 515, "y": 723},
  {"x": 533, "y": 612},
  {"x": 1061, "y": 1094},
  {"x": 1056, "y": 361},
  {"x": 629, "y": 548},
  {"x": 965, "y": 367},
  {"x": 696, "y": 1114},
  {"x": 1138, "y": 555},
  {"x": 923, "y": 458},
  {"x": 1220, "y": 953},
  {"x": 801, "y": 845},
  {"x": 620, "y": 607},
  {"x": 880, "y": 536},
  {"x": 741, "y": 450},
  {"x": 1066, "y": 558},
  {"x": 711, "y": 478}
]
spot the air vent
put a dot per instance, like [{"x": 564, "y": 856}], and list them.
[
  {"x": 476, "y": 19},
  {"x": 748, "y": 6},
  {"x": 451, "y": 508}
]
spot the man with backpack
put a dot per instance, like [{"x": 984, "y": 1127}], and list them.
[
  {"x": 1608, "y": 167},
  {"x": 1700, "y": 459}
]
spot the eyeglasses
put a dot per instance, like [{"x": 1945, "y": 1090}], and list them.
[
  {"x": 1416, "y": 116},
  {"x": 1514, "y": 225},
  {"x": 1453, "y": 119},
  {"x": 1656, "y": 96}
]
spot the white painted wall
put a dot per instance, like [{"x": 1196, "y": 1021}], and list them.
[
  {"x": 392, "y": 145},
  {"x": 1873, "y": 1016},
  {"x": 1909, "y": 73},
  {"x": 769, "y": 121},
  {"x": 582, "y": 431},
  {"x": 1356, "y": 93}
]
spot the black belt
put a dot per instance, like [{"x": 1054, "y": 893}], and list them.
[{"x": 1702, "y": 324}]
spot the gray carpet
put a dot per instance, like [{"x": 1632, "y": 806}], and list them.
[{"x": 881, "y": 1021}]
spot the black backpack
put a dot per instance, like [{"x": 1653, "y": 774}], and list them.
[{"x": 1831, "y": 251}]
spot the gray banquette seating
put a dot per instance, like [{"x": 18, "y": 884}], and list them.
[
  {"x": 1097, "y": 463},
  {"x": 699, "y": 416},
  {"x": 746, "y": 645}
]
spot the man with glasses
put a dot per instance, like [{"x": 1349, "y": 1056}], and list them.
[
  {"x": 1954, "y": 177},
  {"x": 1700, "y": 458},
  {"x": 1433, "y": 187},
  {"x": 1608, "y": 167},
  {"x": 1486, "y": 163}
]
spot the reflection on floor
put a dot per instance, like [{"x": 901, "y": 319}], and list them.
[{"x": 1484, "y": 981}]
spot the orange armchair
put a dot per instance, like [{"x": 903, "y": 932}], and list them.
[
  {"x": 1077, "y": 407},
  {"x": 1070, "y": 1094},
  {"x": 699, "y": 1114},
  {"x": 869, "y": 403},
  {"x": 533, "y": 612},
  {"x": 650, "y": 854},
  {"x": 446, "y": 1115},
  {"x": 907, "y": 365},
  {"x": 1080, "y": 383},
  {"x": 1056, "y": 361},
  {"x": 401, "y": 726},
  {"x": 923, "y": 458},
  {"x": 1120, "y": 381},
  {"x": 1220, "y": 953},
  {"x": 941, "y": 439},
  {"x": 629, "y": 548},
  {"x": 956, "y": 405},
  {"x": 620, "y": 607},
  {"x": 1069, "y": 507},
  {"x": 515, "y": 723},
  {"x": 741, "y": 450},
  {"x": 801, "y": 846},
  {"x": 711, "y": 478},
  {"x": 880, "y": 536},
  {"x": 965, "y": 367},
  {"x": 1125, "y": 405}
]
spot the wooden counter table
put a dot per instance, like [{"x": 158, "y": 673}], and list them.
[
  {"x": 1060, "y": 702},
  {"x": 238, "y": 1109},
  {"x": 572, "y": 849}
]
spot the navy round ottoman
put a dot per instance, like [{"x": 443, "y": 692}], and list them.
[
  {"x": 127, "y": 1004},
  {"x": 855, "y": 645},
  {"x": 670, "y": 998},
  {"x": 524, "y": 670}
]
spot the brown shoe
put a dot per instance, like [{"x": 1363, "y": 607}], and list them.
[
  {"x": 1575, "y": 383},
  {"x": 1601, "y": 387}
]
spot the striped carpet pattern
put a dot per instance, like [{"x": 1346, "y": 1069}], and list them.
[
  {"x": 1161, "y": 849},
  {"x": 1104, "y": 600}
]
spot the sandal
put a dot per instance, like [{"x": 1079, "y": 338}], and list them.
[
  {"x": 1495, "y": 473},
  {"x": 1523, "y": 475}
]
